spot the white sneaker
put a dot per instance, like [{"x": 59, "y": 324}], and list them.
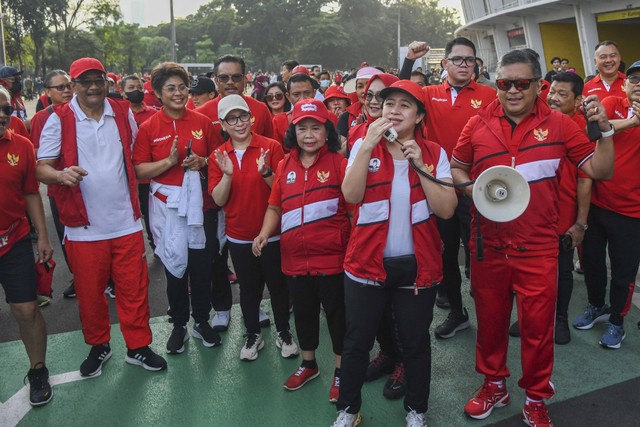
[
  {"x": 264, "y": 319},
  {"x": 415, "y": 419},
  {"x": 220, "y": 321},
  {"x": 346, "y": 419},
  {"x": 251, "y": 347},
  {"x": 286, "y": 344}
]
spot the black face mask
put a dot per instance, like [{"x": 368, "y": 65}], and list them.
[
  {"x": 16, "y": 87},
  {"x": 135, "y": 96}
]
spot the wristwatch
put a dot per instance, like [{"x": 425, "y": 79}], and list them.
[
  {"x": 583, "y": 226},
  {"x": 268, "y": 173}
]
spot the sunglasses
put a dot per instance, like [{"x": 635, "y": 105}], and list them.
[
  {"x": 520, "y": 84},
  {"x": 236, "y": 78},
  {"x": 7, "y": 110},
  {"x": 370, "y": 95},
  {"x": 61, "y": 88},
  {"x": 277, "y": 96},
  {"x": 634, "y": 79}
]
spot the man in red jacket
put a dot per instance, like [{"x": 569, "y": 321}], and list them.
[
  {"x": 85, "y": 156},
  {"x": 521, "y": 256},
  {"x": 609, "y": 81}
]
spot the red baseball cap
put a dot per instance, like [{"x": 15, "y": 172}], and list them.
[
  {"x": 82, "y": 65},
  {"x": 310, "y": 108},
  {"x": 336, "y": 92},
  {"x": 300, "y": 69},
  {"x": 114, "y": 76},
  {"x": 406, "y": 86}
]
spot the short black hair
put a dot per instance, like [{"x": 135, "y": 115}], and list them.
[
  {"x": 564, "y": 59},
  {"x": 229, "y": 58},
  {"x": 125, "y": 79},
  {"x": 459, "y": 40},
  {"x": 606, "y": 43},
  {"x": 325, "y": 72},
  {"x": 165, "y": 70},
  {"x": 577, "y": 83},
  {"x": 522, "y": 56},
  {"x": 290, "y": 64},
  {"x": 333, "y": 139},
  {"x": 418, "y": 73},
  {"x": 554, "y": 59},
  {"x": 298, "y": 78}
]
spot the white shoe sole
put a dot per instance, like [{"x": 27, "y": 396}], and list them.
[
  {"x": 220, "y": 327},
  {"x": 253, "y": 356},
  {"x": 614, "y": 347},
  {"x": 301, "y": 385},
  {"x": 460, "y": 327},
  {"x": 98, "y": 371},
  {"x": 499, "y": 404},
  {"x": 136, "y": 362},
  {"x": 208, "y": 344},
  {"x": 599, "y": 319}
]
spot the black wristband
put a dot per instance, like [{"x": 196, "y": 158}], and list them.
[{"x": 268, "y": 173}]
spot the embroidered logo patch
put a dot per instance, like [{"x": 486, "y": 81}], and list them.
[
  {"x": 309, "y": 107},
  {"x": 374, "y": 165},
  {"x": 13, "y": 159},
  {"x": 291, "y": 177},
  {"x": 197, "y": 134},
  {"x": 476, "y": 103},
  {"x": 540, "y": 134},
  {"x": 323, "y": 176}
]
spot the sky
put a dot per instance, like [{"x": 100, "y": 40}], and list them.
[{"x": 153, "y": 12}]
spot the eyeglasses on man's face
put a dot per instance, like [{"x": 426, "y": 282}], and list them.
[
  {"x": 520, "y": 84},
  {"x": 236, "y": 78},
  {"x": 470, "y": 61}
]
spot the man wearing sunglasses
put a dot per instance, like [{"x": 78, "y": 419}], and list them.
[
  {"x": 85, "y": 158},
  {"x": 614, "y": 221},
  {"x": 609, "y": 81},
  {"x": 449, "y": 106},
  {"x": 229, "y": 72},
  {"x": 521, "y": 256},
  {"x": 20, "y": 196}
]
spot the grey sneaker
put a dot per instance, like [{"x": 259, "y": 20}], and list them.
[
  {"x": 346, "y": 419},
  {"x": 613, "y": 337},
  {"x": 453, "y": 323},
  {"x": 251, "y": 347},
  {"x": 591, "y": 316},
  {"x": 415, "y": 419},
  {"x": 220, "y": 321}
]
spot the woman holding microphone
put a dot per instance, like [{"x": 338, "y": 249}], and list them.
[{"x": 394, "y": 253}]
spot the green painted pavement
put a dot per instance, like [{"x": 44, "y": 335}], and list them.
[{"x": 211, "y": 386}]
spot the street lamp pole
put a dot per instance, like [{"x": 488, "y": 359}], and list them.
[
  {"x": 174, "y": 56},
  {"x": 3, "y": 56}
]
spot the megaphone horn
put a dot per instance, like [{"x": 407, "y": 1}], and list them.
[{"x": 501, "y": 194}]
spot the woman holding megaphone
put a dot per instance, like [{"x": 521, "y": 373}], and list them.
[{"x": 394, "y": 253}]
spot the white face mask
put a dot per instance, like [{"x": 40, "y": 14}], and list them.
[{"x": 325, "y": 83}]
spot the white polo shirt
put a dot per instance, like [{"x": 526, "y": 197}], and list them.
[{"x": 105, "y": 189}]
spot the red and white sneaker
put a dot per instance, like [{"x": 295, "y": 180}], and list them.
[
  {"x": 301, "y": 377},
  {"x": 487, "y": 397},
  {"x": 334, "y": 391},
  {"x": 535, "y": 414}
]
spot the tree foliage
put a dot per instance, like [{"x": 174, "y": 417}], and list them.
[{"x": 45, "y": 34}]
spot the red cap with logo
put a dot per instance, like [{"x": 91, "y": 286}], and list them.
[
  {"x": 310, "y": 108},
  {"x": 82, "y": 65},
  {"x": 406, "y": 86}
]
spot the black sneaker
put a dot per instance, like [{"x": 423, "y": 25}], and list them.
[
  {"x": 146, "y": 358},
  {"x": 453, "y": 323},
  {"x": 70, "y": 292},
  {"x": 92, "y": 365},
  {"x": 205, "y": 332},
  {"x": 382, "y": 365},
  {"x": 442, "y": 300},
  {"x": 514, "y": 330},
  {"x": 562, "y": 333},
  {"x": 396, "y": 385},
  {"x": 178, "y": 337},
  {"x": 40, "y": 391}
]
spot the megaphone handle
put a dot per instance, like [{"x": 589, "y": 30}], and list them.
[{"x": 479, "y": 240}]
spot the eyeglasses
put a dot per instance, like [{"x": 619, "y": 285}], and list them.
[
  {"x": 171, "y": 89},
  {"x": 7, "y": 110},
  {"x": 634, "y": 79},
  {"x": 233, "y": 120},
  {"x": 277, "y": 96},
  {"x": 61, "y": 88},
  {"x": 370, "y": 95},
  {"x": 224, "y": 78},
  {"x": 458, "y": 60},
  {"x": 88, "y": 83},
  {"x": 520, "y": 84}
]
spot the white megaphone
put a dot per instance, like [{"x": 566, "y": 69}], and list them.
[{"x": 501, "y": 194}]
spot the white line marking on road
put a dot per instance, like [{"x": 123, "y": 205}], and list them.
[{"x": 14, "y": 410}]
